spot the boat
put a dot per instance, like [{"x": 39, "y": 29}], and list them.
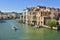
[
  {"x": 37, "y": 26},
  {"x": 14, "y": 28}
]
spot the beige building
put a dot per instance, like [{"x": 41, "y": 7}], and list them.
[
  {"x": 6, "y": 15},
  {"x": 35, "y": 15}
]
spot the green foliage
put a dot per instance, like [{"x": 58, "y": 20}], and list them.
[{"x": 51, "y": 23}]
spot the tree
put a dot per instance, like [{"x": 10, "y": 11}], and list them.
[{"x": 51, "y": 23}]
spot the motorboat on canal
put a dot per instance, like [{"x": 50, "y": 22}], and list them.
[{"x": 14, "y": 28}]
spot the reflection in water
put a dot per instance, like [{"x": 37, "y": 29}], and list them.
[
  {"x": 2, "y": 21},
  {"x": 40, "y": 34},
  {"x": 26, "y": 32}
]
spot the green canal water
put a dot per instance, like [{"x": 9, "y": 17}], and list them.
[{"x": 25, "y": 32}]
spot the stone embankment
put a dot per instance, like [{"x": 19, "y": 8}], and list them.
[{"x": 54, "y": 28}]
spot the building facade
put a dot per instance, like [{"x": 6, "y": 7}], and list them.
[
  {"x": 8, "y": 15},
  {"x": 36, "y": 15}
]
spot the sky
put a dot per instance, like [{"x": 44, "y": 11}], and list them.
[{"x": 19, "y": 5}]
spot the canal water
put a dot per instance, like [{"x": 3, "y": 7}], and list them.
[{"x": 25, "y": 32}]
